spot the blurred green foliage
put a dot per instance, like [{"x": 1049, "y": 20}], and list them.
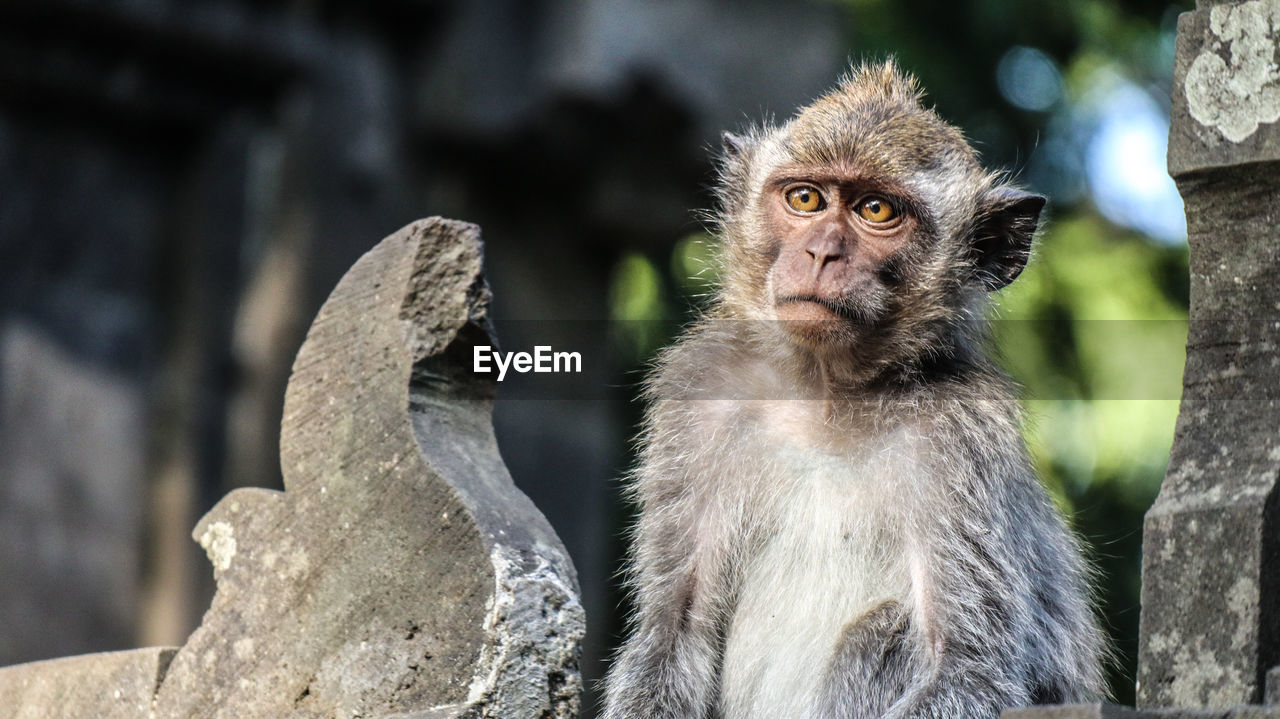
[
  {"x": 639, "y": 307},
  {"x": 1094, "y": 330}
]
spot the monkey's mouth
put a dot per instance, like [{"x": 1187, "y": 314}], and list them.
[{"x": 802, "y": 307}]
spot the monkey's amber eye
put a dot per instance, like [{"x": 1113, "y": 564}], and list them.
[
  {"x": 805, "y": 199},
  {"x": 877, "y": 210}
]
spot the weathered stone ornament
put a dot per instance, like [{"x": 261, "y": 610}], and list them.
[{"x": 401, "y": 574}]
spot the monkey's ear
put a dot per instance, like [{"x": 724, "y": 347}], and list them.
[
  {"x": 1007, "y": 221},
  {"x": 735, "y": 146},
  {"x": 734, "y": 168}
]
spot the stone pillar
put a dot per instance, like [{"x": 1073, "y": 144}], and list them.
[
  {"x": 1211, "y": 562},
  {"x": 1211, "y": 544}
]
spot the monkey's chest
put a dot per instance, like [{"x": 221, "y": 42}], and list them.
[{"x": 838, "y": 551}]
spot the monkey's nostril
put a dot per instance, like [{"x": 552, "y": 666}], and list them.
[{"x": 822, "y": 256}]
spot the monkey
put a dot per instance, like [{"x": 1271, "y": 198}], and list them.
[{"x": 837, "y": 516}]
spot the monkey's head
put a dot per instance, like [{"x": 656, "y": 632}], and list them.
[{"x": 865, "y": 226}]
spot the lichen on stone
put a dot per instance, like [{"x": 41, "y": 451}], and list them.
[
  {"x": 1234, "y": 83},
  {"x": 219, "y": 543}
]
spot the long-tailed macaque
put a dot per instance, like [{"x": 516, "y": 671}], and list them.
[{"x": 838, "y": 518}]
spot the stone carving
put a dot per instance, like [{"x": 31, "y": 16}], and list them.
[{"x": 401, "y": 574}]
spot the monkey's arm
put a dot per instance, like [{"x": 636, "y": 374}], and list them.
[
  {"x": 679, "y": 575},
  {"x": 955, "y": 655},
  {"x": 667, "y": 669},
  {"x": 971, "y": 671},
  {"x": 1002, "y": 616}
]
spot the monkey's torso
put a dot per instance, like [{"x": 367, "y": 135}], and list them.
[
  {"x": 830, "y": 562},
  {"x": 840, "y": 550}
]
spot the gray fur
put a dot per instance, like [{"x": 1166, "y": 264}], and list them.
[{"x": 851, "y": 532}]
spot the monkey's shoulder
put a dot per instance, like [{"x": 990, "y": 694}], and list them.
[{"x": 711, "y": 361}]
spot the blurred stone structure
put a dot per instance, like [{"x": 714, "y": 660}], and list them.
[
  {"x": 401, "y": 575},
  {"x": 182, "y": 182},
  {"x": 1210, "y": 635}
]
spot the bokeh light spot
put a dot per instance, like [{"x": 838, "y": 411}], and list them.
[
  {"x": 1126, "y": 167},
  {"x": 1029, "y": 79}
]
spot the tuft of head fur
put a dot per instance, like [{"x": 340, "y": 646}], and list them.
[{"x": 875, "y": 119}]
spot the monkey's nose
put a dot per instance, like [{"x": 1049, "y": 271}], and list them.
[{"x": 824, "y": 251}]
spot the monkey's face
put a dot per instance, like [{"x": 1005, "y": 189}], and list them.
[
  {"x": 838, "y": 244},
  {"x": 866, "y": 223}
]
